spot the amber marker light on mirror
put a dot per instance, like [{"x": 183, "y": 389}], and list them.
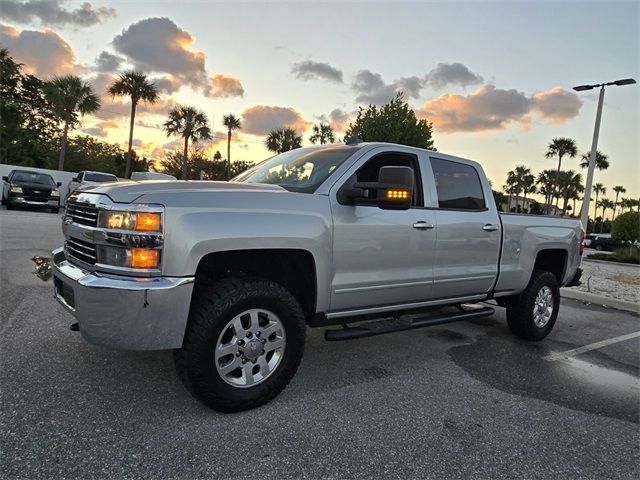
[
  {"x": 145, "y": 258},
  {"x": 397, "y": 194},
  {"x": 148, "y": 222}
]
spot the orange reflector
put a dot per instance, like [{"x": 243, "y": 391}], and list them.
[
  {"x": 397, "y": 194},
  {"x": 144, "y": 258},
  {"x": 148, "y": 222}
]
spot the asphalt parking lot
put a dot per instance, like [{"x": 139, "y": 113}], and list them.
[{"x": 464, "y": 400}]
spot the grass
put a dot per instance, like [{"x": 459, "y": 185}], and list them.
[{"x": 622, "y": 255}]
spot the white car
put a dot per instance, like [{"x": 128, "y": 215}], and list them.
[
  {"x": 139, "y": 176},
  {"x": 87, "y": 177}
]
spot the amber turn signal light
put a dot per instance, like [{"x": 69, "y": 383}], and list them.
[
  {"x": 397, "y": 194},
  {"x": 145, "y": 258},
  {"x": 148, "y": 222}
]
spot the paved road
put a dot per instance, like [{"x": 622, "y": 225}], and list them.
[{"x": 458, "y": 401}]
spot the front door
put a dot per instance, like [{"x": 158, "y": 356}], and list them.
[{"x": 382, "y": 257}]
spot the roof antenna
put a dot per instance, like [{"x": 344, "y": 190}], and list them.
[{"x": 354, "y": 140}]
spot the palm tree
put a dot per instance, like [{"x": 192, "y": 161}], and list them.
[
  {"x": 560, "y": 147},
  {"x": 136, "y": 86},
  {"x": 232, "y": 123},
  {"x": 282, "y": 140},
  {"x": 546, "y": 180},
  {"x": 569, "y": 185},
  {"x": 626, "y": 203},
  {"x": 190, "y": 124},
  {"x": 606, "y": 204},
  {"x": 520, "y": 180},
  {"x": 69, "y": 97},
  {"x": 322, "y": 133},
  {"x": 598, "y": 189},
  {"x": 602, "y": 161},
  {"x": 618, "y": 189}
]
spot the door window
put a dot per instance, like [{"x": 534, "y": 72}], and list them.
[{"x": 458, "y": 185}]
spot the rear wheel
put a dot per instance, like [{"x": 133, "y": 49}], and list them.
[
  {"x": 598, "y": 247},
  {"x": 243, "y": 343},
  {"x": 532, "y": 314}
]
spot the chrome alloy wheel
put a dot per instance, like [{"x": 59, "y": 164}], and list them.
[
  {"x": 543, "y": 307},
  {"x": 250, "y": 348}
]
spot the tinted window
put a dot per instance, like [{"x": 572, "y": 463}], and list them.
[
  {"x": 458, "y": 185},
  {"x": 369, "y": 171},
  {"x": 32, "y": 177},
  {"x": 99, "y": 177}
]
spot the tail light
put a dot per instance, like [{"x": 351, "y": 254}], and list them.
[{"x": 583, "y": 234}]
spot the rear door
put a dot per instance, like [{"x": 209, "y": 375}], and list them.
[
  {"x": 381, "y": 257},
  {"x": 468, "y": 230}
]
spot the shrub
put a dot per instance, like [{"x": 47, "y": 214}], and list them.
[
  {"x": 627, "y": 227},
  {"x": 630, "y": 254}
]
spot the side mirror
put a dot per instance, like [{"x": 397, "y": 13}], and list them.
[
  {"x": 58, "y": 184},
  {"x": 5, "y": 178},
  {"x": 392, "y": 191},
  {"x": 76, "y": 179}
]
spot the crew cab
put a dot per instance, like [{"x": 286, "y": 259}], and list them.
[
  {"x": 230, "y": 275},
  {"x": 29, "y": 188}
]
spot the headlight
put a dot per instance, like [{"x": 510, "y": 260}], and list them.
[
  {"x": 144, "y": 258},
  {"x": 16, "y": 189},
  {"x": 138, "y": 221},
  {"x": 55, "y": 193}
]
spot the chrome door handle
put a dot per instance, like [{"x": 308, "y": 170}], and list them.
[
  {"x": 490, "y": 228},
  {"x": 423, "y": 225}
]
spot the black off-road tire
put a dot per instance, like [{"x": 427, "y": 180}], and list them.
[
  {"x": 520, "y": 309},
  {"x": 213, "y": 306},
  {"x": 9, "y": 205}
]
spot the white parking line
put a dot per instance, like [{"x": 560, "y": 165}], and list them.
[{"x": 592, "y": 346}]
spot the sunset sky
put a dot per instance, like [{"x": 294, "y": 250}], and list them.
[{"x": 495, "y": 78}]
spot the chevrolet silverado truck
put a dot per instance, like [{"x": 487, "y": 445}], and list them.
[{"x": 369, "y": 237}]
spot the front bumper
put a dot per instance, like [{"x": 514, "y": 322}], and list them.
[
  {"x": 51, "y": 203},
  {"x": 124, "y": 312}
]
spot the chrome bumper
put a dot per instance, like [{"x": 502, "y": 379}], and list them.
[
  {"x": 124, "y": 312},
  {"x": 33, "y": 203}
]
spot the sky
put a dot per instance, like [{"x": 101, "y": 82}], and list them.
[{"x": 494, "y": 78}]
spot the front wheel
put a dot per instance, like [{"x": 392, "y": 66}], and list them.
[
  {"x": 532, "y": 314},
  {"x": 243, "y": 343}
]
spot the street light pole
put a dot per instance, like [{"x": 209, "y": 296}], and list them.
[{"x": 584, "y": 213}]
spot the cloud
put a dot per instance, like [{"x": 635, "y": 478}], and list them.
[
  {"x": 557, "y": 105},
  {"x": 167, "y": 84},
  {"x": 225, "y": 86},
  {"x": 159, "y": 45},
  {"x": 309, "y": 70},
  {"x": 261, "y": 119},
  {"x": 108, "y": 62},
  {"x": 52, "y": 13},
  {"x": 43, "y": 53},
  {"x": 100, "y": 129},
  {"x": 490, "y": 108},
  {"x": 452, "y": 74},
  {"x": 372, "y": 89},
  {"x": 338, "y": 119}
]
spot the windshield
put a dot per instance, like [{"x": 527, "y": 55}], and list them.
[
  {"x": 33, "y": 177},
  {"x": 99, "y": 177},
  {"x": 300, "y": 170}
]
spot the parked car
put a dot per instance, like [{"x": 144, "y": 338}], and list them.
[
  {"x": 140, "y": 176},
  {"x": 593, "y": 236},
  {"x": 229, "y": 275},
  {"x": 87, "y": 177},
  {"x": 606, "y": 243},
  {"x": 29, "y": 188}
]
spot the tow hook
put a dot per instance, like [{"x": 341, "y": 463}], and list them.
[{"x": 74, "y": 327}]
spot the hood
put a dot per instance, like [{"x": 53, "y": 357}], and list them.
[{"x": 127, "y": 192}]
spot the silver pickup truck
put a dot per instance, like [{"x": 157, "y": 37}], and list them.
[{"x": 229, "y": 275}]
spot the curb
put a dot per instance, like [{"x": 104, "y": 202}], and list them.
[
  {"x": 606, "y": 262},
  {"x": 600, "y": 300}
]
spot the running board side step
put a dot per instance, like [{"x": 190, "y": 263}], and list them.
[{"x": 404, "y": 322}]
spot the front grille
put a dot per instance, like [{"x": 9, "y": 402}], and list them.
[
  {"x": 35, "y": 194},
  {"x": 80, "y": 250},
  {"x": 82, "y": 213}
]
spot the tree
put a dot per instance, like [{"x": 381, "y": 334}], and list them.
[
  {"x": 569, "y": 185},
  {"x": 232, "y": 123},
  {"x": 70, "y": 97},
  {"x": 322, "y": 133},
  {"x": 282, "y": 140},
  {"x": 546, "y": 181},
  {"x": 627, "y": 227},
  {"x": 215, "y": 169},
  {"x": 560, "y": 147},
  {"x": 626, "y": 204},
  {"x": 598, "y": 189},
  {"x": 394, "y": 122},
  {"x": 606, "y": 204},
  {"x": 618, "y": 189},
  {"x": 520, "y": 180},
  {"x": 602, "y": 161},
  {"x": 136, "y": 86},
  {"x": 189, "y": 123}
]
